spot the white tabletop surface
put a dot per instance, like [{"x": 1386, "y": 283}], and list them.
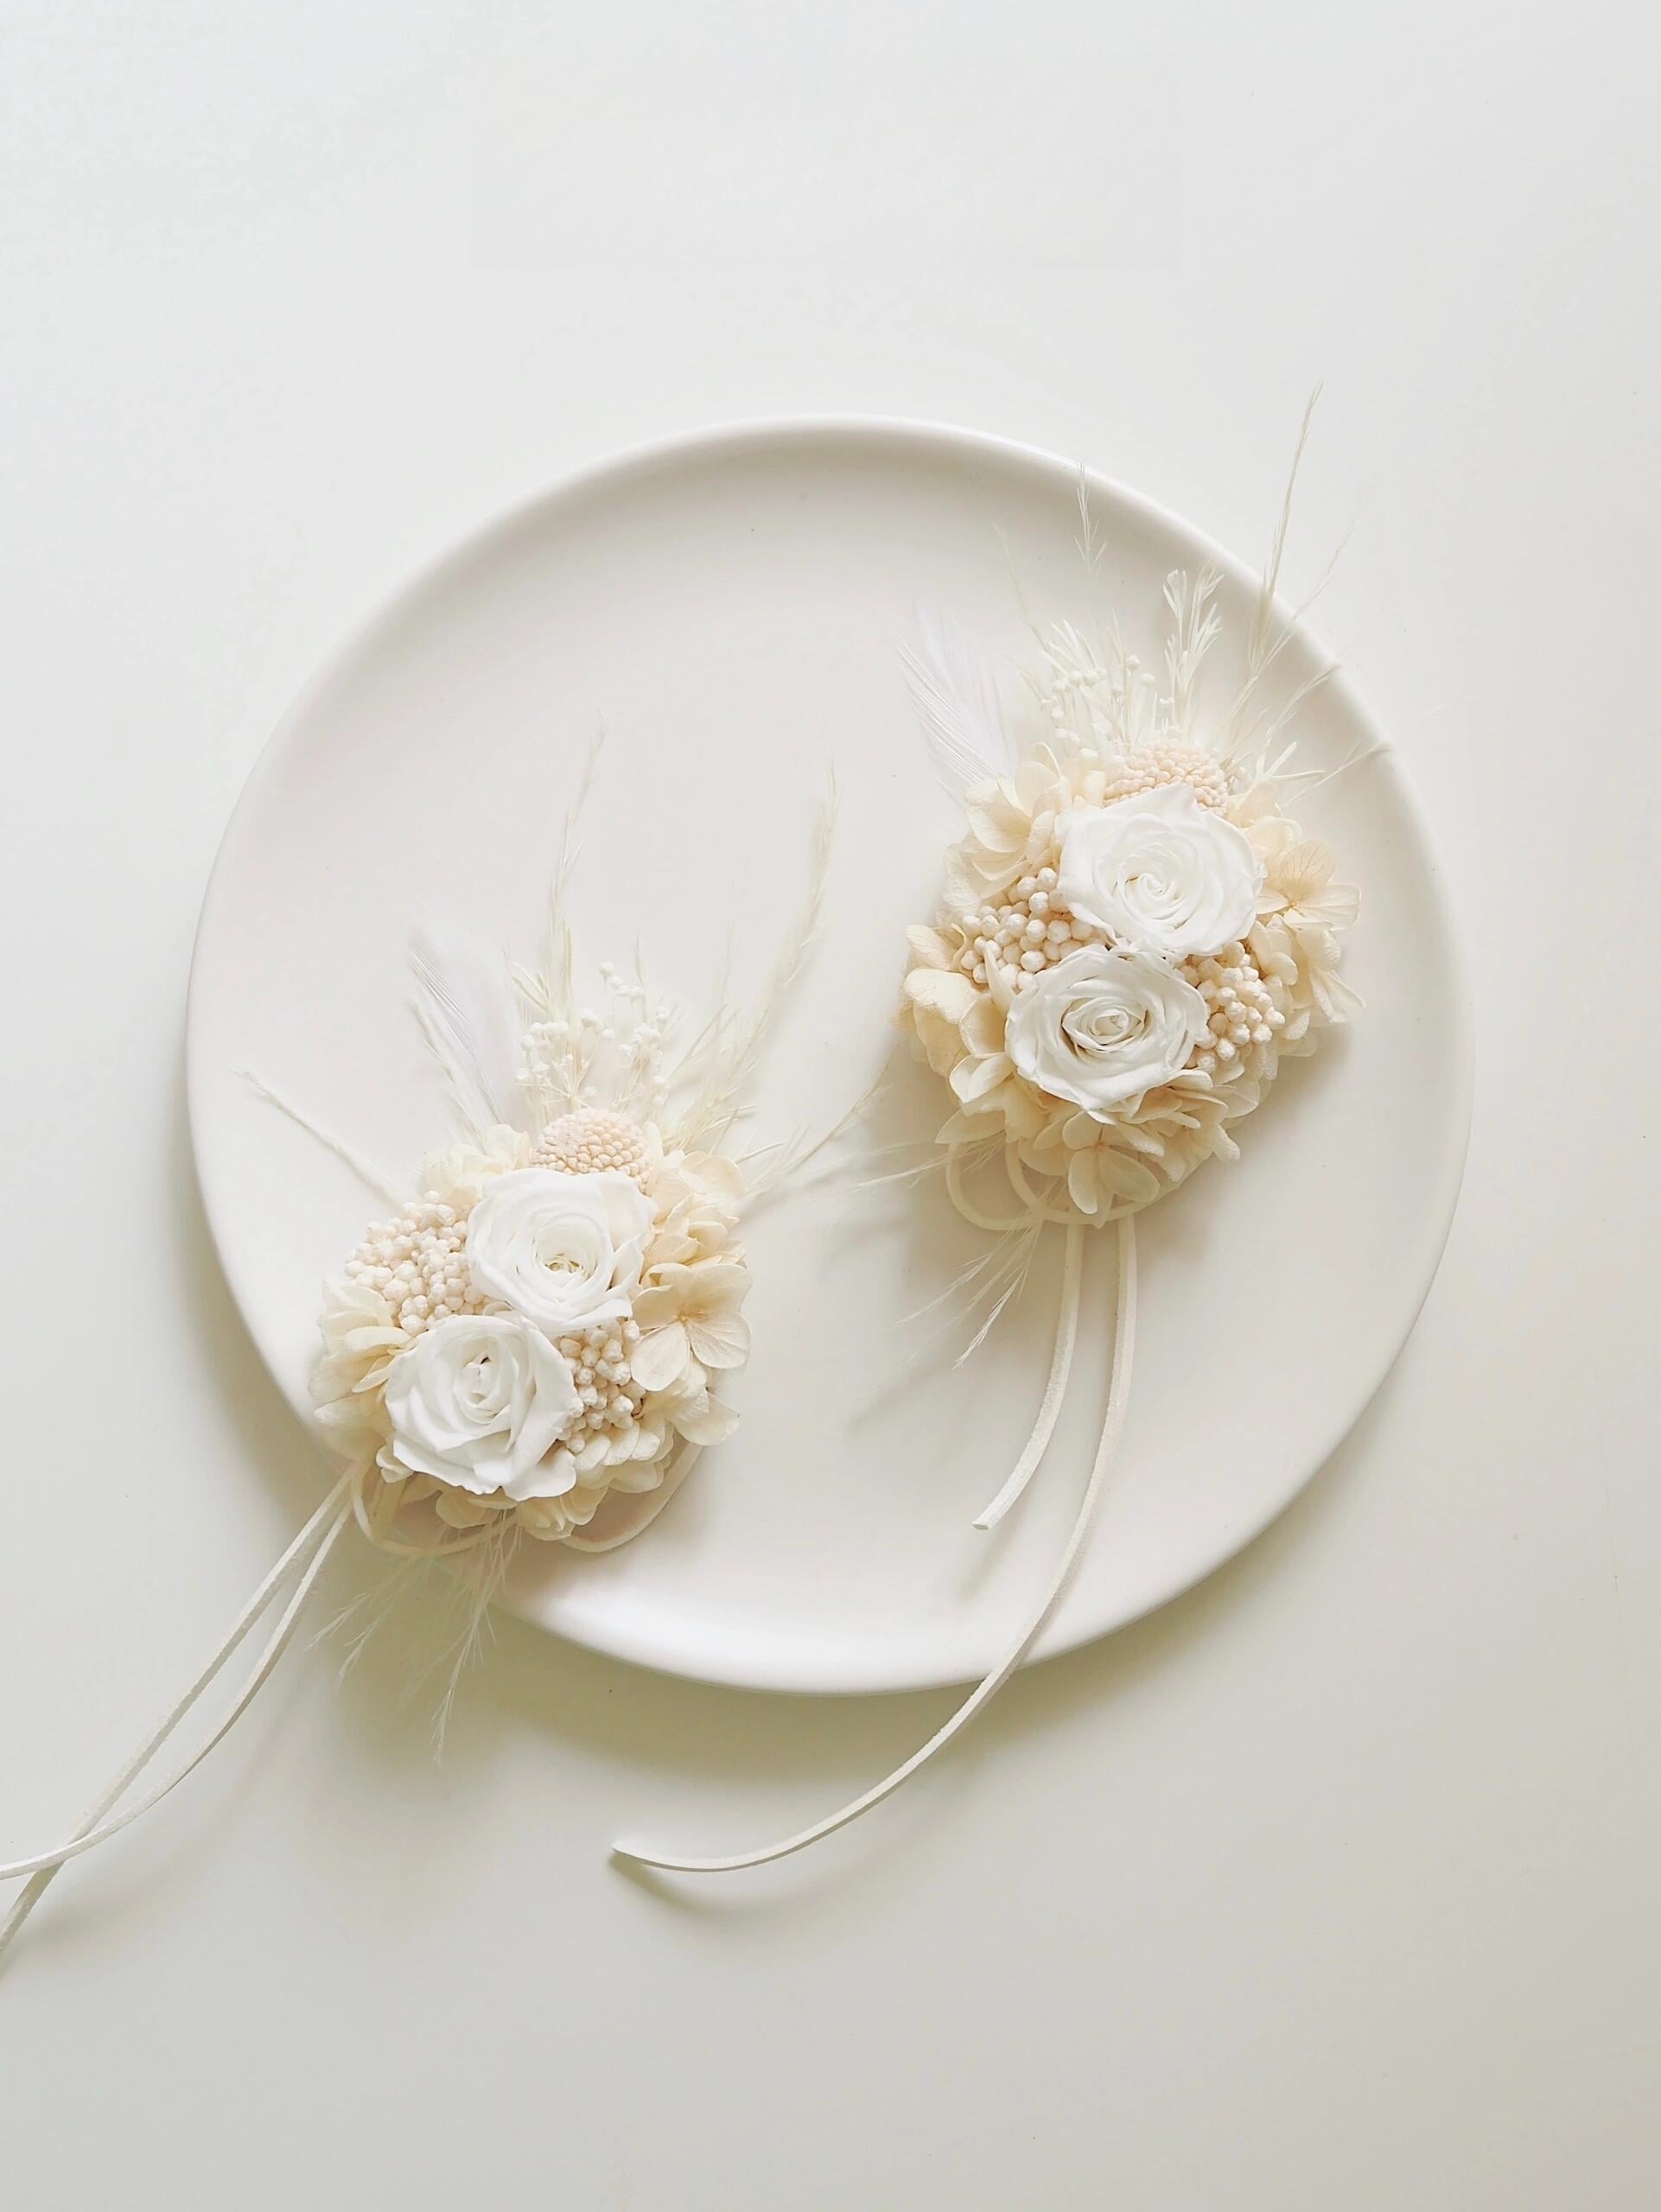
[{"x": 1334, "y": 1883}]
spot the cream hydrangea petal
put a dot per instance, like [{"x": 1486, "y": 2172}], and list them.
[
  {"x": 999, "y": 989},
  {"x": 1317, "y": 945},
  {"x": 720, "y": 1339},
  {"x": 946, "y": 992},
  {"x": 965, "y": 883},
  {"x": 928, "y": 948},
  {"x": 940, "y": 1041},
  {"x": 345, "y": 1413},
  {"x": 972, "y": 1078},
  {"x": 719, "y": 1176},
  {"x": 981, "y": 1027},
  {"x": 1036, "y": 780},
  {"x": 561, "y": 1476},
  {"x": 706, "y": 1421},
  {"x": 1337, "y": 906},
  {"x": 457, "y": 1176},
  {"x": 1125, "y": 1177},
  {"x": 718, "y": 1287},
  {"x": 373, "y": 1337},
  {"x": 627, "y": 1474},
  {"x": 657, "y": 1361},
  {"x": 996, "y": 816},
  {"x": 1300, "y": 870},
  {"x": 1258, "y": 809},
  {"x": 1024, "y": 1112},
  {"x": 656, "y": 1307}
]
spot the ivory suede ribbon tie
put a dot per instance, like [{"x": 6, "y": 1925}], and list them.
[
  {"x": 1124, "y": 1334},
  {"x": 304, "y": 1558}
]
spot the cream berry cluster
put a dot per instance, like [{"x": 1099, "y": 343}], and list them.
[
  {"x": 600, "y": 1369},
  {"x": 417, "y": 1262},
  {"x": 591, "y": 1141},
  {"x": 1023, "y": 932},
  {"x": 1240, "y": 1010},
  {"x": 1150, "y": 767}
]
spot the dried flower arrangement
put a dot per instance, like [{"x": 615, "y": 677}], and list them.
[
  {"x": 1133, "y": 935},
  {"x": 529, "y": 1347}
]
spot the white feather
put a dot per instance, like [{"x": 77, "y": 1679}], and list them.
[
  {"x": 957, "y": 694},
  {"x": 464, "y": 1001}
]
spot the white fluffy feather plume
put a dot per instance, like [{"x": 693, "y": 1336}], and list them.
[
  {"x": 464, "y": 1001},
  {"x": 957, "y": 694}
]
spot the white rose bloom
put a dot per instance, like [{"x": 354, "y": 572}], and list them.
[
  {"x": 1160, "y": 872},
  {"x": 563, "y": 1250},
  {"x": 480, "y": 1401},
  {"x": 1103, "y": 1025}
]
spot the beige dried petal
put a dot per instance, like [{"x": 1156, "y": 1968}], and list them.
[
  {"x": 706, "y": 1421},
  {"x": 660, "y": 1358},
  {"x": 981, "y": 1027},
  {"x": 941, "y": 991},
  {"x": 656, "y": 1308},
  {"x": 928, "y": 948},
  {"x": 972, "y": 1078}
]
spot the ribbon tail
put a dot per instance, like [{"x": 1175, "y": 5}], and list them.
[
  {"x": 1067, "y": 1332},
  {"x": 1124, "y": 1330},
  {"x": 310, "y": 1549}
]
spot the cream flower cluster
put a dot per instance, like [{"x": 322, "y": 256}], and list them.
[
  {"x": 1132, "y": 937},
  {"x": 539, "y": 1326}
]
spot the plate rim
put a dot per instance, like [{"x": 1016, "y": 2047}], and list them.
[{"x": 774, "y": 431}]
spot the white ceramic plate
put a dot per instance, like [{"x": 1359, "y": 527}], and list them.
[{"x": 734, "y": 606}]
